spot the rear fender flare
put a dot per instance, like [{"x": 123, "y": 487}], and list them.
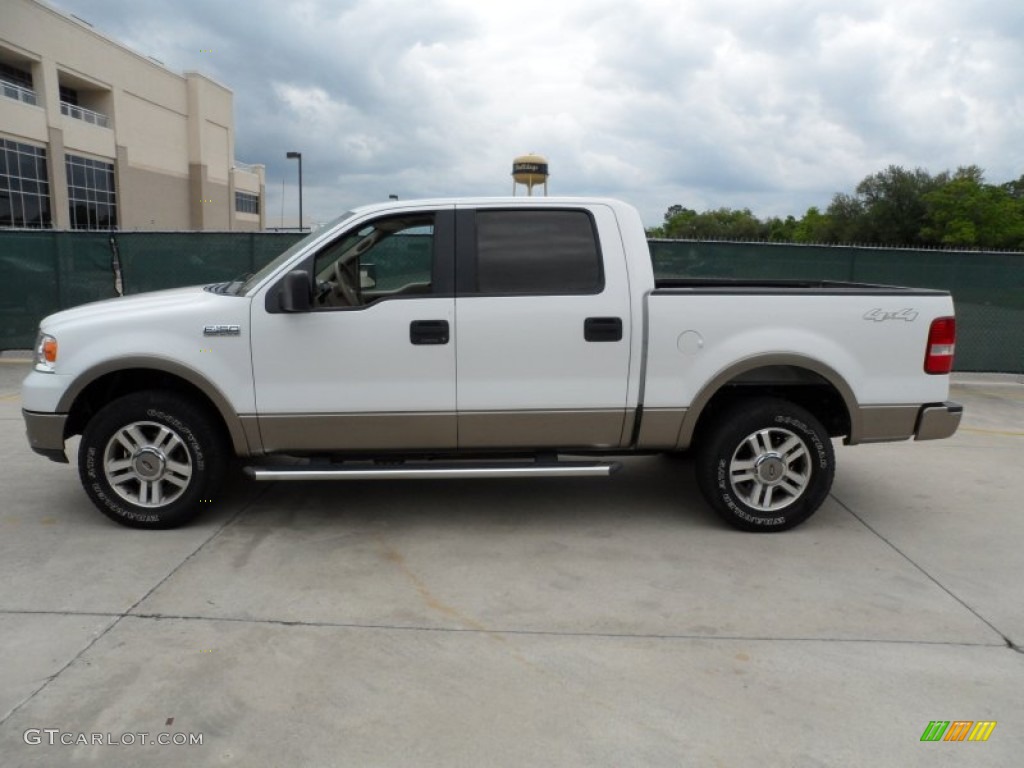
[{"x": 723, "y": 377}]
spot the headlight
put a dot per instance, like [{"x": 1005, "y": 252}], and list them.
[{"x": 46, "y": 353}]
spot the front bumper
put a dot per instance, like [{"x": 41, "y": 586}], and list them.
[
  {"x": 937, "y": 421},
  {"x": 46, "y": 434}
]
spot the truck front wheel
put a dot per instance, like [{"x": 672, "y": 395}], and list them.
[
  {"x": 150, "y": 459},
  {"x": 765, "y": 465}
]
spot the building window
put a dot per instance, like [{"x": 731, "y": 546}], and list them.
[
  {"x": 246, "y": 203},
  {"x": 16, "y": 75},
  {"x": 91, "y": 197},
  {"x": 24, "y": 186},
  {"x": 16, "y": 83},
  {"x": 69, "y": 95}
]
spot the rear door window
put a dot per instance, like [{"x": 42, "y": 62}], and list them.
[{"x": 539, "y": 252}]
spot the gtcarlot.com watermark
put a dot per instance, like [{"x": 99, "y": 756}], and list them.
[{"x": 57, "y": 737}]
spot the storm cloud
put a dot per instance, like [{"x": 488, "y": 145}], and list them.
[{"x": 768, "y": 104}]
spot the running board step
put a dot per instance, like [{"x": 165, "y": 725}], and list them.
[{"x": 429, "y": 471}]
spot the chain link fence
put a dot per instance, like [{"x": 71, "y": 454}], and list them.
[{"x": 42, "y": 272}]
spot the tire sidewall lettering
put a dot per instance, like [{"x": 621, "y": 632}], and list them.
[
  {"x": 808, "y": 435},
  {"x": 183, "y": 431}
]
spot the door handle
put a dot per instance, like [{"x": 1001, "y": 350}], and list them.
[
  {"x": 602, "y": 329},
  {"x": 428, "y": 332}
]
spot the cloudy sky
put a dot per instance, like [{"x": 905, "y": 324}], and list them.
[{"x": 768, "y": 104}]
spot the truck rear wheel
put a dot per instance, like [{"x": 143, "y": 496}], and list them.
[
  {"x": 766, "y": 465},
  {"x": 151, "y": 459}
]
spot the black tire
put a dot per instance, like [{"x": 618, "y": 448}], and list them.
[
  {"x": 765, "y": 465},
  {"x": 152, "y": 459}
]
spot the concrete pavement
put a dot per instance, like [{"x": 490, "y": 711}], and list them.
[{"x": 539, "y": 622}]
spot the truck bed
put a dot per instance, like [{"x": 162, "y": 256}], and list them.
[{"x": 872, "y": 337}]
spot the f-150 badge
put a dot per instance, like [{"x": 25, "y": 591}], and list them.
[
  {"x": 880, "y": 315},
  {"x": 222, "y": 330}
]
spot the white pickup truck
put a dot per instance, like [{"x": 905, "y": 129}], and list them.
[{"x": 485, "y": 338}]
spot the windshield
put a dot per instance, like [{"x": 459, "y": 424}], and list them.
[{"x": 246, "y": 285}]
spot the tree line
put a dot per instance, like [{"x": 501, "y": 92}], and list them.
[{"x": 895, "y": 207}]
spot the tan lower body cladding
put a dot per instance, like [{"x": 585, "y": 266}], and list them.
[
  {"x": 593, "y": 429},
  {"x": 499, "y": 430},
  {"x": 358, "y": 432},
  {"x": 611, "y": 429}
]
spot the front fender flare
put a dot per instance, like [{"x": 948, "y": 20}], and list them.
[{"x": 235, "y": 426}]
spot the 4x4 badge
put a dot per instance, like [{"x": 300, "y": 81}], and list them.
[
  {"x": 222, "y": 330},
  {"x": 880, "y": 315}
]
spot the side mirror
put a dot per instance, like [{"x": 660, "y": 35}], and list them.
[{"x": 296, "y": 292}]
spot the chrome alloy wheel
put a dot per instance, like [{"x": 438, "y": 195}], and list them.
[
  {"x": 770, "y": 469},
  {"x": 147, "y": 464}
]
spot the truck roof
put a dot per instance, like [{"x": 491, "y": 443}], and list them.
[{"x": 504, "y": 202}]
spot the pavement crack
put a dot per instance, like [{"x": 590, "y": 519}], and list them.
[
  {"x": 512, "y": 632},
  {"x": 241, "y": 510},
  {"x": 118, "y": 617},
  {"x": 59, "y": 672},
  {"x": 28, "y": 612},
  {"x": 1009, "y": 643}
]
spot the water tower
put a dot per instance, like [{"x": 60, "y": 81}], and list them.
[{"x": 530, "y": 170}]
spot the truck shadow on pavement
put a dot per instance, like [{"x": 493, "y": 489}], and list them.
[{"x": 654, "y": 488}]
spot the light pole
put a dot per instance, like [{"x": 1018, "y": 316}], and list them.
[{"x": 298, "y": 156}]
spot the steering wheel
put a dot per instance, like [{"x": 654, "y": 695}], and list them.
[{"x": 343, "y": 285}]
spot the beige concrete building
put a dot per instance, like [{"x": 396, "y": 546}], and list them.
[{"x": 96, "y": 136}]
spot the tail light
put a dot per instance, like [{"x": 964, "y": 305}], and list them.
[{"x": 938, "y": 356}]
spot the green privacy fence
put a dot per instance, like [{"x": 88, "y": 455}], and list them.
[{"x": 41, "y": 272}]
